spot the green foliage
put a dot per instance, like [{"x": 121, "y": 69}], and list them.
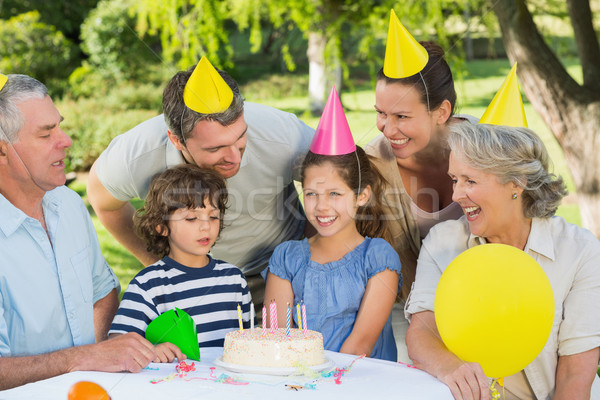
[
  {"x": 65, "y": 15},
  {"x": 188, "y": 29},
  {"x": 31, "y": 47},
  {"x": 125, "y": 265},
  {"x": 115, "y": 51},
  {"x": 353, "y": 31},
  {"x": 86, "y": 82},
  {"x": 93, "y": 122}
]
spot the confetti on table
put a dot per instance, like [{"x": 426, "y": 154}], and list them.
[
  {"x": 407, "y": 365},
  {"x": 294, "y": 383},
  {"x": 185, "y": 367}
]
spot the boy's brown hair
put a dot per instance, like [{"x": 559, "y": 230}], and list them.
[{"x": 183, "y": 186}]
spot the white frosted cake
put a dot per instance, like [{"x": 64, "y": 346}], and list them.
[{"x": 275, "y": 350}]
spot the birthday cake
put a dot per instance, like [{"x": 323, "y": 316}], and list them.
[{"x": 276, "y": 350}]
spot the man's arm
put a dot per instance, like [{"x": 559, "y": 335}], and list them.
[
  {"x": 129, "y": 352},
  {"x": 117, "y": 218},
  {"x": 104, "y": 312}
]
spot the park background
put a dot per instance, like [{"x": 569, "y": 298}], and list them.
[{"x": 106, "y": 70}]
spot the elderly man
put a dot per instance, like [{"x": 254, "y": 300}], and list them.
[
  {"x": 206, "y": 122},
  {"x": 57, "y": 294}
]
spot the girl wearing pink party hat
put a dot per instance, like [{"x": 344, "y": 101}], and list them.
[{"x": 346, "y": 274}]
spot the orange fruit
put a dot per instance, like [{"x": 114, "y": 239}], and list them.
[{"x": 85, "y": 390}]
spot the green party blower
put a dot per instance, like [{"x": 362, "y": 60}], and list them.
[{"x": 177, "y": 327}]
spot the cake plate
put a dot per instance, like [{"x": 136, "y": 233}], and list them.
[{"x": 282, "y": 371}]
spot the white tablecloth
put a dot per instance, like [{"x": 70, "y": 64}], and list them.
[{"x": 366, "y": 379}]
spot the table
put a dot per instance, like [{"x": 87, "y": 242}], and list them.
[{"x": 359, "y": 378}]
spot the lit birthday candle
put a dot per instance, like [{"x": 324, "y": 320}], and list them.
[
  {"x": 264, "y": 320},
  {"x": 273, "y": 316},
  {"x": 288, "y": 319},
  {"x": 304, "y": 318},
  {"x": 240, "y": 318},
  {"x": 252, "y": 316},
  {"x": 298, "y": 318}
]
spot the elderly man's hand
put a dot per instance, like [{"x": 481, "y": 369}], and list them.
[{"x": 129, "y": 352}]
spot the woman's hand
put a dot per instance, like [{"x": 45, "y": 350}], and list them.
[
  {"x": 466, "y": 381},
  {"x": 426, "y": 349}
]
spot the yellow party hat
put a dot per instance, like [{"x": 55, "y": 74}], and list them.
[
  {"x": 506, "y": 107},
  {"x": 206, "y": 92},
  {"x": 404, "y": 56},
  {"x": 3, "y": 79}
]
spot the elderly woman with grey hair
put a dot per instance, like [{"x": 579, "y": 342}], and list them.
[{"x": 503, "y": 184}]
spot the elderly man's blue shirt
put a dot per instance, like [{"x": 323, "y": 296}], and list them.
[{"x": 48, "y": 286}]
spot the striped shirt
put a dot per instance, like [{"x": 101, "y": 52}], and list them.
[{"x": 210, "y": 295}]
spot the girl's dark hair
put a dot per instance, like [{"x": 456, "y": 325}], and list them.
[
  {"x": 183, "y": 186},
  {"x": 437, "y": 77},
  {"x": 370, "y": 219}
]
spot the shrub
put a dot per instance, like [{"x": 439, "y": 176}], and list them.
[
  {"x": 115, "y": 51},
  {"x": 93, "y": 122},
  {"x": 31, "y": 47},
  {"x": 86, "y": 82}
]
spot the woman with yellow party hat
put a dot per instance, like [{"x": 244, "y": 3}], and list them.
[
  {"x": 506, "y": 108},
  {"x": 510, "y": 290},
  {"x": 414, "y": 100}
]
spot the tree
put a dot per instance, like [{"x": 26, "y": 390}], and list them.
[
  {"x": 113, "y": 48},
  {"x": 188, "y": 29},
  {"x": 571, "y": 110},
  {"x": 30, "y": 46},
  {"x": 339, "y": 32},
  {"x": 328, "y": 25},
  {"x": 65, "y": 15}
]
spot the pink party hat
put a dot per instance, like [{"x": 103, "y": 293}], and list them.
[{"x": 333, "y": 136}]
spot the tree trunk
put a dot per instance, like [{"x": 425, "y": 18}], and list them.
[
  {"x": 468, "y": 39},
  {"x": 316, "y": 72},
  {"x": 323, "y": 72},
  {"x": 571, "y": 111}
]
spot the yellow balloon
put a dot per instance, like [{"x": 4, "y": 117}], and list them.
[{"x": 494, "y": 305}]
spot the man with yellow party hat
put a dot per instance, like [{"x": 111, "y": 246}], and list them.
[
  {"x": 58, "y": 294},
  {"x": 207, "y": 122},
  {"x": 506, "y": 107}
]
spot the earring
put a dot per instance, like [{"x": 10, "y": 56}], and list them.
[{"x": 514, "y": 196}]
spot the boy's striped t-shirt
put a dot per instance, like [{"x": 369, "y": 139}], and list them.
[{"x": 210, "y": 295}]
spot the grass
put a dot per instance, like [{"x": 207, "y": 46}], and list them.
[
  {"x": 482, "y": 78},
  {"x": 122, "y": 262}
]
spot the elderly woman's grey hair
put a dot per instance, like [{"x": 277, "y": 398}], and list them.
[
  {"x": 18, "y": 88},
  {"x": 514, "y": 155}
]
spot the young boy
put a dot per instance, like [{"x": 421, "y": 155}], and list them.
[{"x": 181, "y": 220}]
